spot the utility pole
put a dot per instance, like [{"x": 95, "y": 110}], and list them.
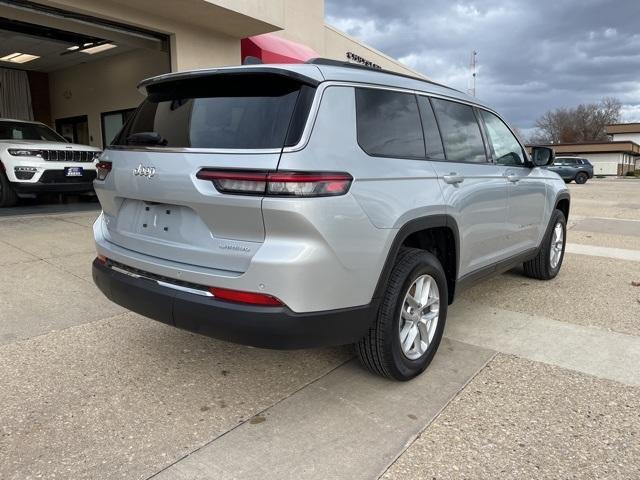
[{"x": 472, "y": 91}]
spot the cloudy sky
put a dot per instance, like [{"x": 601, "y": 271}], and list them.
[{"x": 532, "y": 55}]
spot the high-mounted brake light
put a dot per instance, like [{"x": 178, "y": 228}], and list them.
[
  {"x": 289, "y": 184},
  {"x": 103, "y": 169},
  {"x": 251, "y": 298}
]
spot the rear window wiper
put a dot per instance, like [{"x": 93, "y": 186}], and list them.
[{"x": 147, "y": 138}]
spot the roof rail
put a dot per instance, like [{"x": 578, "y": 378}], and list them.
[{"x": 339, "y": 63}]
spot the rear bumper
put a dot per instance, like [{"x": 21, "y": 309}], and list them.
[{"x": 266, "y": 327}]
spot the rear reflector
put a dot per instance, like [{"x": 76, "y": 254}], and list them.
[
  {"x": 102, "y": 259},
  {"x": 250, "y": 298},
  {"x": 103, "y": 169},
  {"x": 289, "y": 184}
]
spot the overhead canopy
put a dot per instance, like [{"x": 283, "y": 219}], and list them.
[{"x": 270, "y": 48}]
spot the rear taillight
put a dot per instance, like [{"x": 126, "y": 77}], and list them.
[
  {"x": 288, "y": 184},
  {"x": 250, "y": 298},
  {"x": 103, "y": 169}
]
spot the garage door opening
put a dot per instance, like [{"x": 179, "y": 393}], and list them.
[
  {"x": 77, "y": 75},
  {"x": 79, "y": 80}
]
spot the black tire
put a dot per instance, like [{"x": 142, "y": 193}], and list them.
[
  {"x": 540, "y": 267},
  {"x": 8, "y": 196},
  {"x": 380, "y": 350},
  {"x": 581, "y": 178}
]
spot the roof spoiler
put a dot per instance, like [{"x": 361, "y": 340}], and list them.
[{"x": 144, "y": 85}]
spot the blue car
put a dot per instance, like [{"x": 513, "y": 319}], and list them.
[{"x": 572, "y": 168}]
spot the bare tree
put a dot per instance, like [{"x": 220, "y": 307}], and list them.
[{"x": 584, "y": 123}]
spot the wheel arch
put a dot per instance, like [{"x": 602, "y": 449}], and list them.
[
  {"x": 432, "y": 233},
  {"x": 563, "y": 203}
]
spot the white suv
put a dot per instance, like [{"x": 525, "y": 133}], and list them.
[{"x": 35, "y": 159}]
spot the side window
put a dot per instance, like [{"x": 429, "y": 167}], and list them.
[
  {"x": 432, "y": 140},
  {"x": 506, "y": 147},
  {"x": 388, "y": 124},
  {"x": 571, "y": 162},
  {"x": 460, "y": 132}
]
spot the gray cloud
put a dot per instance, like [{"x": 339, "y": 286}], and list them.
[{"x": 533, "y": 56}]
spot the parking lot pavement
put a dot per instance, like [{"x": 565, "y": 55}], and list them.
[
  {"x": 523, "y": 419},
  {"x": 45, "y": 275},
  {"x": 125, "y": 396},
  {"x": 606, "y": 198},
  {"x": 613, "y": 240},
  {"x": 589, "y": 290},
  {"x": 90, "y": 391},
  {"x": 348, "y": 424}
]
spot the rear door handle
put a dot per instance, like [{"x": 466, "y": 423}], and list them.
[
  {"x": 453, "y": 178},
  {"x": 512, "y": 178}
]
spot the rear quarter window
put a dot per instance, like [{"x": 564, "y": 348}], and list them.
[{"x": 388, "y": 124}]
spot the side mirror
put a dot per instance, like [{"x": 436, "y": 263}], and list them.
[{"x": 542, "y": 156}]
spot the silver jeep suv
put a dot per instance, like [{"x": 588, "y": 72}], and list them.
[{"x": 294, "y": 206}]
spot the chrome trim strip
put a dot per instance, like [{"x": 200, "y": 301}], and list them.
[
  {"x": 127, "y": 272},
  {"x": 195, "y": 291}
]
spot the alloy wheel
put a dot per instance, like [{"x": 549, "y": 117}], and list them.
[
  {"x": 419, "y": 317},
  {"x": 557, "y": 241}
]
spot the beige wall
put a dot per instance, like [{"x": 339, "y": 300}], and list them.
[
  {"x": 604, "y": 163},
  {"x": 633, "y": 137},
  {"x": 304, "y": 23},
  {"x": 338, "y": 43},
  {"x": 197, "y": 48},
  {"x": 102, "y": 86}
]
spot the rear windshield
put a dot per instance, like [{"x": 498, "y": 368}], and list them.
[
  {"x": 241, "y": 112},
  {"x": 28, "y": 131}
]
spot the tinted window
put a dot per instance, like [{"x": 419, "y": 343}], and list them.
[
  {"x": 28, "y": 131},
  {"x": 505, "y": 147},
  {"x": 388, "y": 123},
  {"x": 235, "y": 113},
  {"x": 570, "y": 161},
  {"x": 460, "y": 132},
  {"x": 432, "y": 139}
]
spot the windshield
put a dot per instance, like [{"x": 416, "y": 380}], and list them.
[
  {"x": 238, "y": 113},
  {"x": 28, "y": 131}
]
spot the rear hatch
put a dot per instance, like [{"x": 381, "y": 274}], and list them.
[{"x": 226, "y": 119}]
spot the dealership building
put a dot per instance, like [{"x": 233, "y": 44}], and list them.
[
  {"x": 616, "y": 157},
  {"x": 75, "y": 64}
]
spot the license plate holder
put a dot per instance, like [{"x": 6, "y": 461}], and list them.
[{"x": 73, "y": 171}]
